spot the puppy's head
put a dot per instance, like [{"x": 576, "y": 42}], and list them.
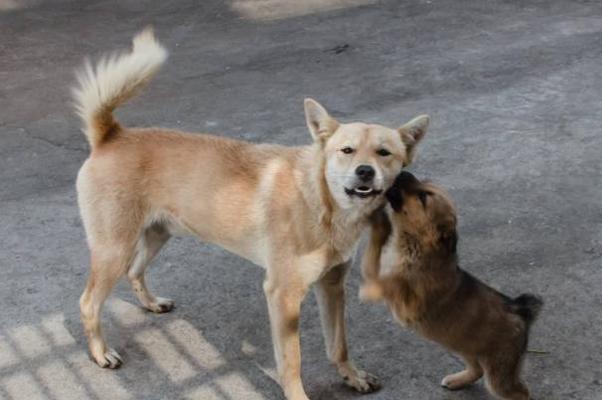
[
  {"x": 362, "y": 159},
  {"x": 425, "y": 212}
]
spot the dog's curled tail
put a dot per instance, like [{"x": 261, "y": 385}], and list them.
[
  {"x": 527, "y": 306},
  {"x": 115, "y": 79}
]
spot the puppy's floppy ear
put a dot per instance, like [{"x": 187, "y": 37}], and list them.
[
  {"x": 320, "y": 123},
  {"x": 412, "y": 133}
]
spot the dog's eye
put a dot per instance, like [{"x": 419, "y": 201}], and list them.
[
  {"x": 347, "y": 150},
  {"x": 383, "y": 152}
]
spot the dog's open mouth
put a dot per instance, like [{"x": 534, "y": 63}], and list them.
[{"x": 363, "y": 192}]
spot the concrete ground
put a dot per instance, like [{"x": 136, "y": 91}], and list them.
[{"x": 514, "y": 89}]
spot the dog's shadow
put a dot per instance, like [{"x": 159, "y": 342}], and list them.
[{"x": 216, "y": 343}]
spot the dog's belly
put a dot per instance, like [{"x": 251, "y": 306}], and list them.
[
  {"x": 251, "y": 247},
  {"x": 255, "y": 245}
]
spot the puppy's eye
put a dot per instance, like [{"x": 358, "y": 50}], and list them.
[
  {"x": 383, "y": 152},
  {"x": 347, "y": 150}
]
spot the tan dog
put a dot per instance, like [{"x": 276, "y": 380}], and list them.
[
  {"x": 426, "y": 290},
  {"x": 298, "y": 212}
]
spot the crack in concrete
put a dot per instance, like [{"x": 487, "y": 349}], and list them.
[{"x": 51, "y": 142}]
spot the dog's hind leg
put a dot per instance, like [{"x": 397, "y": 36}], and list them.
[
  {"x": 504, "y": 381},
  {"x": 108, "y": 264},
  {"x": 471, "y": 374},
  {"x": 511, "y": 389},
  {"x": 330, "y": 293},
  {"x": 148, "y": 245}
]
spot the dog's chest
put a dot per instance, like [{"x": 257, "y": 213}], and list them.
[
  {"x": 395, "y": 259},
  {"x": 344, "y": 240}
]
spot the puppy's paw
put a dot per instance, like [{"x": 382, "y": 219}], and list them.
[
  {"x": 459, "y": 380},
  {"x": 109, "y": 359},
  {"x": 371, "y": 291},
  {"x": 161, "y": 305},
  {"x": 359, "y": 380}
]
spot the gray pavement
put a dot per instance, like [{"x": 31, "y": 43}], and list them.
[{"x": 514, "y": 90}]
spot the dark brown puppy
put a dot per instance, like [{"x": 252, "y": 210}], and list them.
[{"x": 411, "y": 263}]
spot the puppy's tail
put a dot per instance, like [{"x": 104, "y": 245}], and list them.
[
  {"x": 527, "y": 306},
  {"x": 115, "y": 79}
]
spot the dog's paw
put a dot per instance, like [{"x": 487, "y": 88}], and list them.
[
  {"x": 161, "y": 305},
  {"x": 363, "y": 382},
  {"x": 360, "y": 380},
  {"x": 458, "y": 380},
  {"x": 370, "y": 292},
  {"x": 109, "y": 359}
]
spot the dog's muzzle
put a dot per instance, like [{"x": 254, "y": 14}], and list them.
[{"x": 363, "y": 189}]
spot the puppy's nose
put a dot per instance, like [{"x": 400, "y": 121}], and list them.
[{"x": 365, "y": 173}]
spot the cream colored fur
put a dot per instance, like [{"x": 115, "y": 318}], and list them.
[
  {"x": 115, "y": 80},
  {"x": 295, "y": 211}
]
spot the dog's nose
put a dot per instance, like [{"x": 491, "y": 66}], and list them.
[{"x": 365, "y": 172}]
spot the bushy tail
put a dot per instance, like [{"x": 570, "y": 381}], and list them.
[
  {"x": 115, "y": 80},
  {"x": 527, "y": 306}
]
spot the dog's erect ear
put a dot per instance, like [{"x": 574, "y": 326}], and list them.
[
  {"x": 412, "y": 133},
  {"x": 320, "y": 124}
]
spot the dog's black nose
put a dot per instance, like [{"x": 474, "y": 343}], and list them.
[{"x": 365, "y": 173}]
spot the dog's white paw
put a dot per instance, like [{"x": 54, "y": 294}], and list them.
[
  {"x": 458, "y": 380},
  {"x": 360, "y": 380},
  {"x": 370, "y": 292},
  {"x": 161, "y": 305},
  {"x": 109, "y": 359}
]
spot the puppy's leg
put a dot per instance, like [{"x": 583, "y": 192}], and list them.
[
  {"x": 471, "y": 374},
  {"x": 330, "y": 292},
  {"x": 380, "y": 229},
  {"x": 149, "y": 244},
  {"x": 512, "y": 389},
  {"x": 285, "y": 291},
  {"x": 503, "y": 378},
  {"x": 109, "y": 264}
]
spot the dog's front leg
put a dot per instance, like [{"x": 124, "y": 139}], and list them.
[
  {"x": 284, "y": 291},
  {"x": 330, "y": 293}
]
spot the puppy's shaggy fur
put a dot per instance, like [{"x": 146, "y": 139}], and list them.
[{"x": 427, "y": 291}]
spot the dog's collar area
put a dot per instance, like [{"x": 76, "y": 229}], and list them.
[{"x": 363, "y": 192}]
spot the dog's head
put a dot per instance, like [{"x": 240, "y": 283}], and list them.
[
  {"x": 362, "y": 159},
  {"x": 425, "y": 212}
]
